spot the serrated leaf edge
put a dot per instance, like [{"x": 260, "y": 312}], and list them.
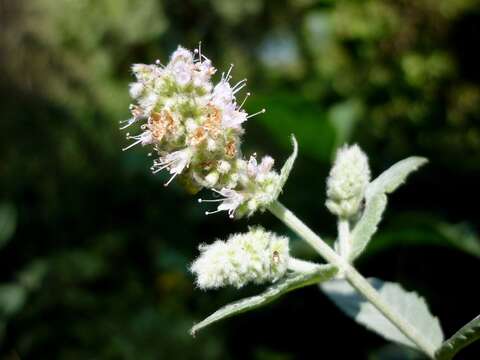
[{"x": 462, "y": 338}]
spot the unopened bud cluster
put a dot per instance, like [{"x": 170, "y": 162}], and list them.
[
  {"x": 347, "y": 181},
  {"x": 195, "y": 128},
  {"x": 256, "y": 257}
]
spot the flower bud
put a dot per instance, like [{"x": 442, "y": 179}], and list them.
[
  {"x": 257, "y": 256},
  {"x": 212, "y": 178},
  {"x": 347, "y": 182}
]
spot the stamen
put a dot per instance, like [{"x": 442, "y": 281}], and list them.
[
  {"x": 240, "y": 88},
  {"x": 171, "y": 179},
  {"x": 128, "y": 121},
  {"x": 132, "y": 145},
  {"x": 212, "y": 212},
  {"x": 154, "y": 171},
  {"x": 257, "y": 113},
  {"x": 210, "y": 200},
  {"x": 229, "y": 71},
  {"x": 245, "y": 99},
  {"x": 240, "y": 83}
]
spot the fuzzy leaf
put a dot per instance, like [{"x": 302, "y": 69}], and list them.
[
  {"x": 409, "y": 305},
  {"x": 393, "y": 177},
  {"x": 462, "y": 338},
  {"x": 376, "y": 201},
  {"x": 287, "y": 167},
  {"x": 289, "y": 283},
  {"x": 368, "y": 224}
]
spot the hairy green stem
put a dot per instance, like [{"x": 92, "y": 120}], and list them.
[
  {"x": 344, "y": 238},
  {"x": 352, "y": 276}
]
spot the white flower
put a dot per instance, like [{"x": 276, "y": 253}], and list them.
[
  {"x": 203, "y": 73},
  {"x": 211, "y": 145},
  {"x": 148, "y": 102},
  {"x": 181, "y": 66},
  {"x": 230, "y": 201},
  {"x": 257, "y": 256},
  {"x": 223, "y": 167},
  {"x": 222, "y": 94},
  {"x": 181, "y": 55},
  {"x": 212, "y": 178},
  {"x": 182, "y": 73},
  {"x": 266, "y": 165},
  {"x": 136, "y": 89},
  {"x": 146, "y": 72},
  {"x": 175, "y": 162},
  {"x": 144, "y": 138},
  {"x": 258, "y": 171},
  {"x": 347, "y": 181},
  {"x": 231, "y": 117}
]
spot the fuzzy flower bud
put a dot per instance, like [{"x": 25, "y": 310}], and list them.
[
  {"x": 347, "y": 182},
  {"x": 257, "y": 256}
]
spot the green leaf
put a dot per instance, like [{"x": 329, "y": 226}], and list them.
[
  {"x": 462, "y": 338},
  {"x": 287, "y": 284},
  {"x": 409, "y": 305},
  {"x": 8, "y": 222},
  {"x": 393, "y": 177},
  {"x": 368, "y": 224},
  {"x": 376, "y": 201},
  {"x": 287, "y": 167}
]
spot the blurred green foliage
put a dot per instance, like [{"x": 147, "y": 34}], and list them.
[{"x": 94, "y": 251}]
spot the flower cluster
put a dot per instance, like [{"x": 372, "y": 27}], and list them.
[
  {"x": 257, "y": 256},
  {"x": 195, "y": 128},
  {"x": 347, "y": 182}
]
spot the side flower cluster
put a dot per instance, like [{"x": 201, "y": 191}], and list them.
[
  {"x": 257, "y": 256},
  {"x": 347, "y": 181},
  {"x": 194, "y": 128}
]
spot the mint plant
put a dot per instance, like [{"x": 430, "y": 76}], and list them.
[{"x": 194, "y": 129}]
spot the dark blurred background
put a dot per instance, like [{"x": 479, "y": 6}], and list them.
[{"x": 94, "y": 250}]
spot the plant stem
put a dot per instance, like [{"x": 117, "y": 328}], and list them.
[
  {"x": 352, "y": 275},
  {"x": 344, "y": 238}
]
